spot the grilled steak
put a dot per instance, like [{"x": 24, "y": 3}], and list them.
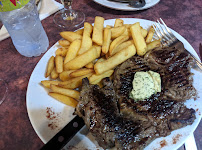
[
  {"x": 138, "y": 124},
  {"x": 98, "y": 107},
  {"x": 172, "y": 64}
]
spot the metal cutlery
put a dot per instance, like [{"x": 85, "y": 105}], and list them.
[
  {"x": 168, "y": 39},
  {"x": 132, "y": 3}
]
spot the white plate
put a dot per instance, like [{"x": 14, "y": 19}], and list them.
[
  {"x": 125, "y": 6},
  {"x": 38, "y": 101}
]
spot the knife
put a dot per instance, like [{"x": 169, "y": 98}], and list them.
[
  {"x": 200, "y": 50},
  {"x": 64, "y": 135}
]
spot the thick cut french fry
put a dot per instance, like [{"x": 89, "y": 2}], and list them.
[
  {"x": 70, "y": 36},
  {"x": 62, "y": 51},
  {"x": 59, "y": 63},
  {"x": 144, "y": 32},
  {"x": 81, "y": 72},
  {"x": 115, "y": 60},
  {"x": 108, "y": 27},
  {"x": 50, "y": 66},
  {"x": 150, "y": 35},
  {"x": 90, "y": 65},
  {"x": 80, "y": 31},
  {"x": 74, "y": 82},
  {"x": 116, "y": 42},
  {"x": 86, "y": 39},
  {"x": 64, "y": 43},
  {"x": 47, "y": 83},
  {"x": 72, "y": 50},
  {"x": 83, "y": 59},
  {"x": 68, "y": 92},
  {"x": 127, "y": 32},
  {"x": 64, "y": 99},
  {"x": 118, "y": 23},
  {"x": 128, "y": 25},
  {"x": 100, "y": 60},
  {"x": 107, "y": 40},
  {"x": 96, "y": 78},
  {"x": 153, "y": 44},
  {"x": 116, "y": 32},
  {"x": 97, "y": 36},
  {"x": 54, "y": 74},
  {"x": 64, "y": 76},
  {"x": 122, "y": 46},
  {"x": 138, "y": 39}
]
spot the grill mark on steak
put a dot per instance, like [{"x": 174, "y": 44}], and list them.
[
  {"x": 124, "y": 74},
  {"x": 174, "y": 66},
  {"x": 138, "y": 124}
]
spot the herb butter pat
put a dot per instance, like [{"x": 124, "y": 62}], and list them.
[{"x": 145, "y": 84}]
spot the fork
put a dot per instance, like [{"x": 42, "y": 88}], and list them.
[{"x": 168, "y": 39}]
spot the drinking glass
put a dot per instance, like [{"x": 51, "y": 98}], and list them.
[
  {"x": 67, "y": 17},
  {"x": 3, "y": 91}
]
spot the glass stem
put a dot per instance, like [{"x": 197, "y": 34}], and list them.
[{"x": 67, "y": 4}]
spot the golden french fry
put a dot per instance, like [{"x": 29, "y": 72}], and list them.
[
  {"x": 116, "y": 42},
  {"x": 115, "y": 60},
  {"x": 70, "y": 36},
  {"x": 121, "y": 46},
  {"x": 150, "y": 35},
  {"x": 74, "y": 83},
  {"x": 128, "y": 25},
  {"x": 62, "y": 51},
  {"x": 107, "y": 40},
  {"x": 47, "y": 83},
  {"x": 116, "y": 32},
  {"x": 100, "y": 84},
  {"x": 80, "y": 31},
  {"x": 118, "y": 23},
  {"x": 144, "y": 32},
  {"x": 81, "y": 72},
  {"x": 96, "y": 78},
  {"x": 50, "y": 66},
  {"x": 68, "y": 92},
  {"x": 59, "y": 63},
  {"x": 97, "y": 36},
  {"x": 127, "y": 32},
  {"x": 64, "y": 43},
  {"x": 138, "y": 39},
  {"x": 54, "y": 74},
  {"x": 153, "y": 44},
  {"x": 90, "y": 65},
  {"x": 108, "y": 27},
  {"x": 64, "y": 99},
  {"x": 72, "y": 51},
  {"x": 100, "y": 60},
  {"x": 64, "y": 76},
  {"x": 83, "y": 59},
  {"x": 86, "y": 39},
  {"x": 107, "y": 55}
]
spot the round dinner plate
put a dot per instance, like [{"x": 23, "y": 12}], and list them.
[
  {"x": 48, "y": 116},
  {"x": 125, "y": 6}
]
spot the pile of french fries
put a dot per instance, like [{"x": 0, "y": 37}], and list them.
[{"x": 93, "y": 52}]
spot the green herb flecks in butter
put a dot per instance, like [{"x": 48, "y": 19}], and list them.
[{"x": 145, "y": 84}]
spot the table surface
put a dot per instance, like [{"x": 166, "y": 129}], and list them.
[{"x": 16, "y": 131}]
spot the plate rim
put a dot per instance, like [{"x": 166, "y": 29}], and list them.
[
  {"x": 122, "y": 9},
  {"x": 52, "y": 47}
]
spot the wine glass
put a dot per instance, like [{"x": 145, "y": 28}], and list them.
[
  {"x": 67, "y": 17},
  {"x": 3, "y": 91}
]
